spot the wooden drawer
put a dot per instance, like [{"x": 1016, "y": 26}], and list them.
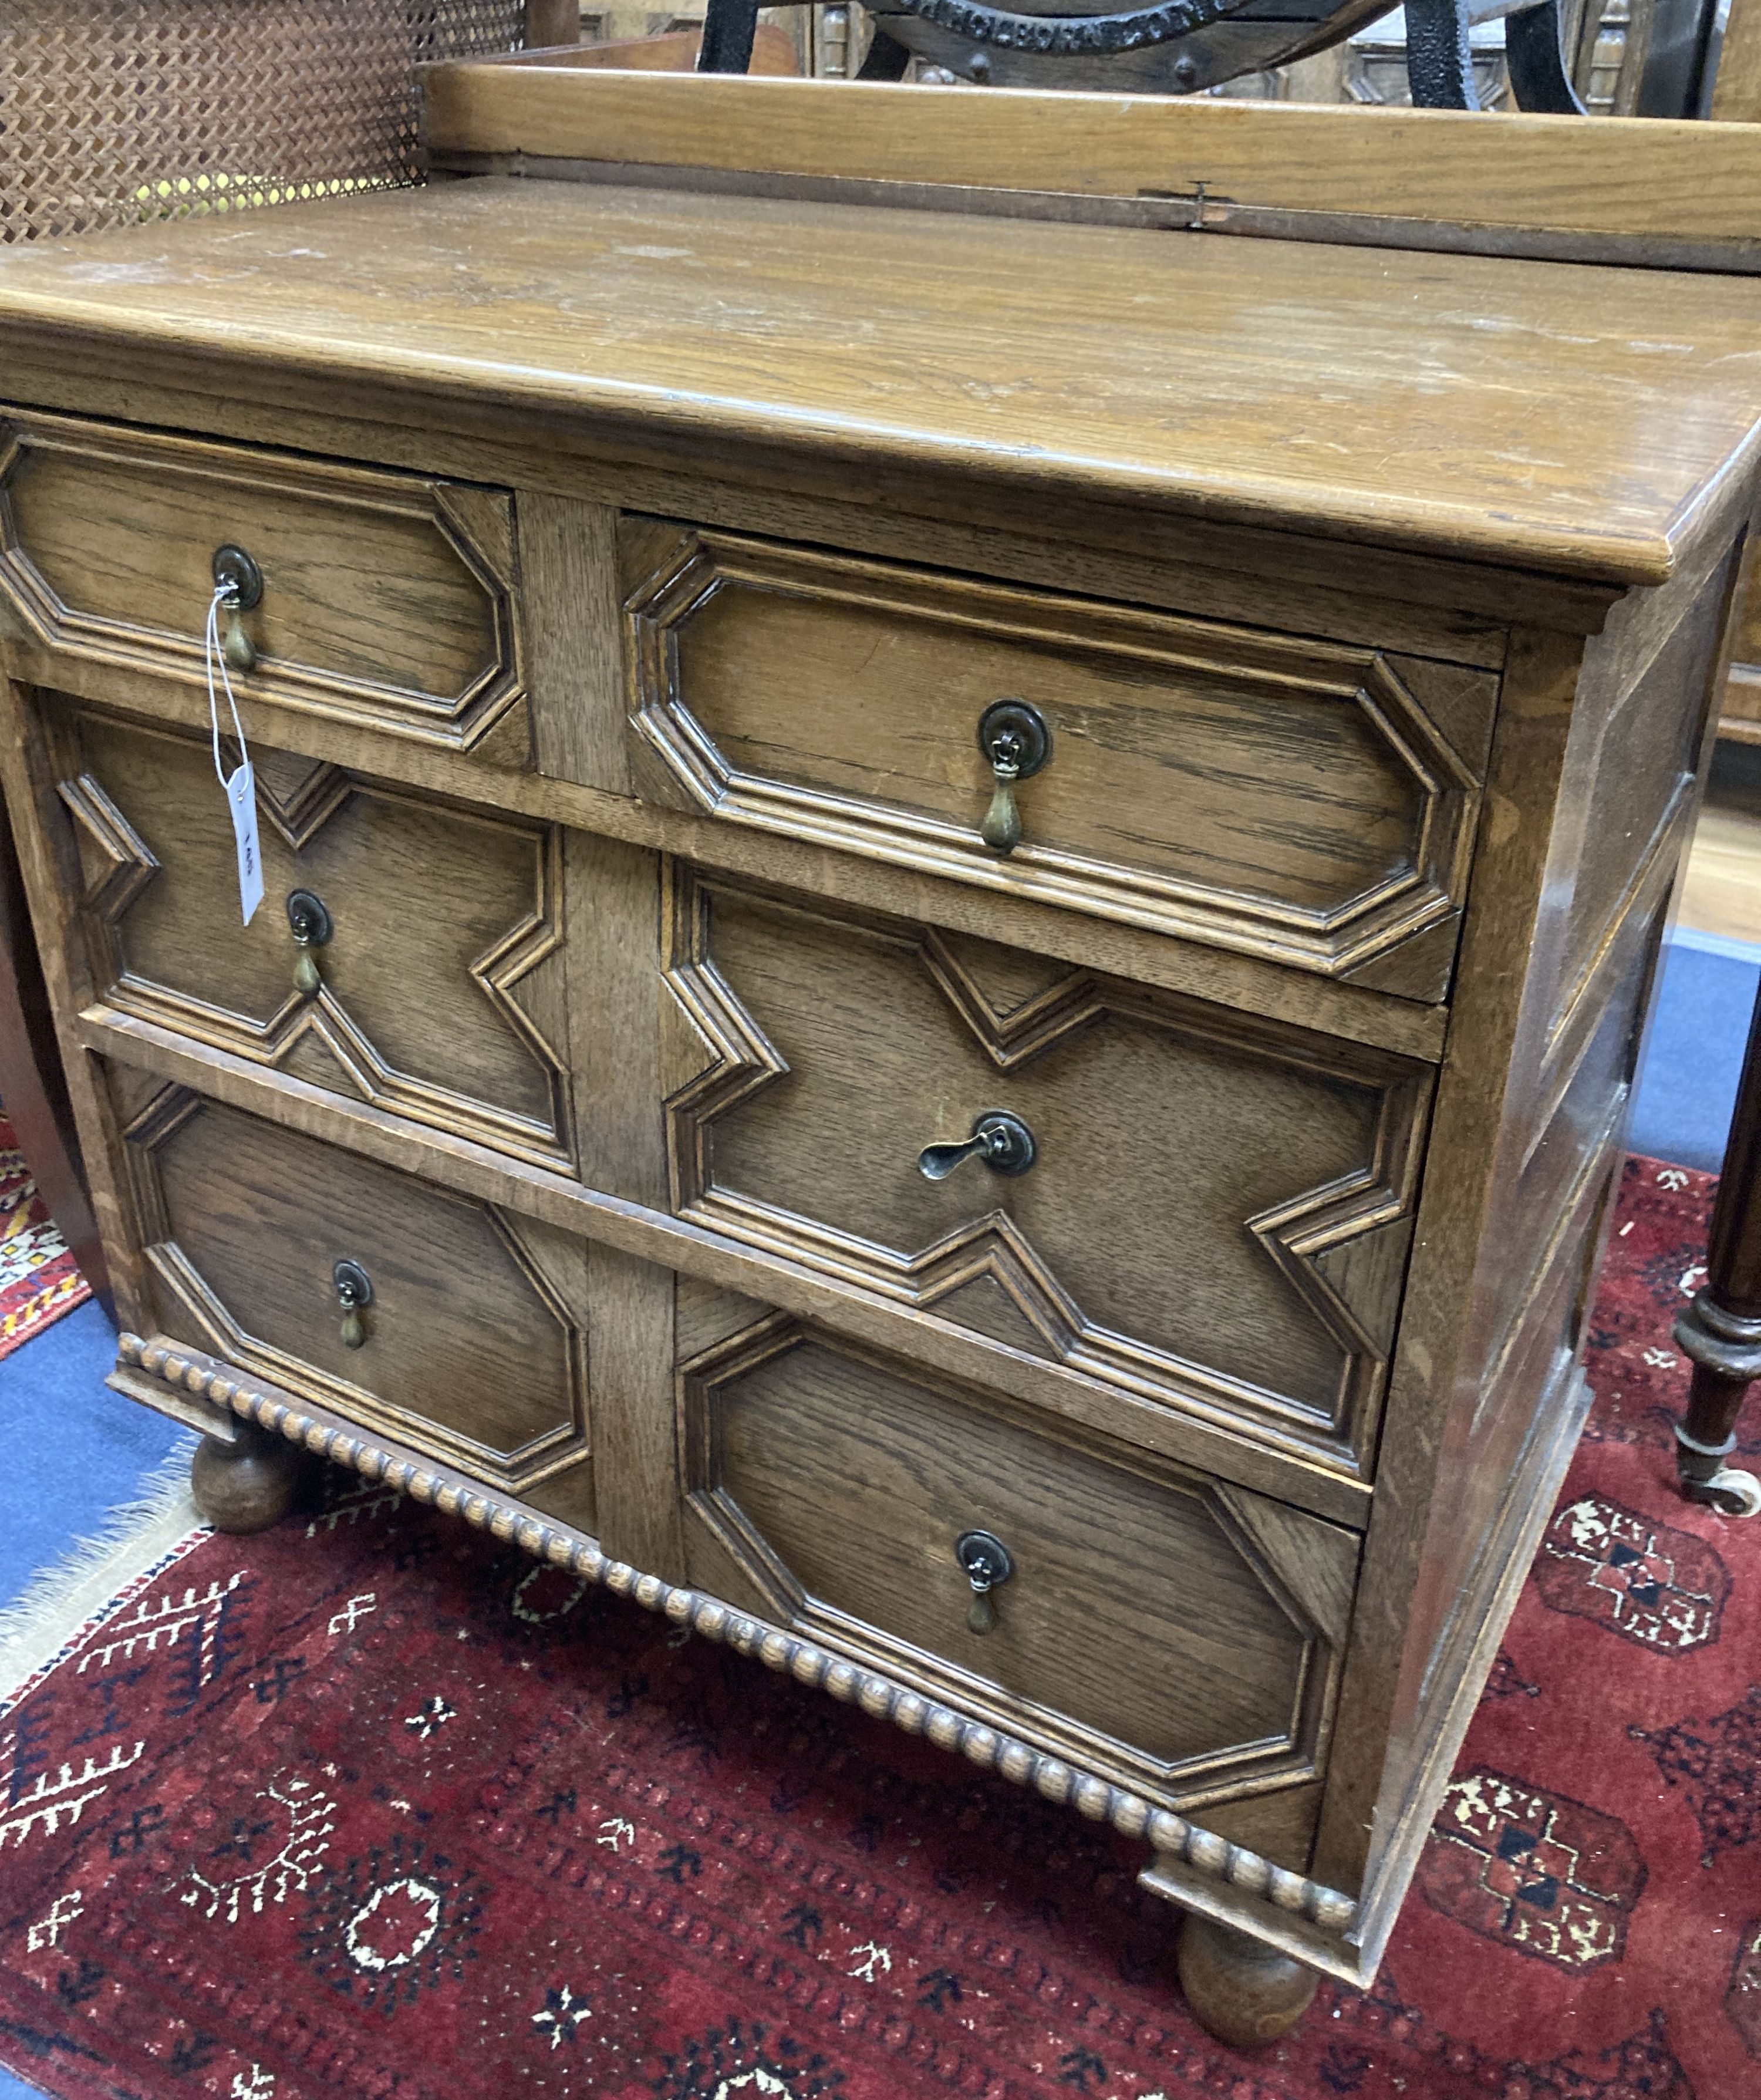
[
  {"x": 385, "y": 597},
  {"x": 441, "y": 990},
  {"x": 1218, "y": 1212},
  {"x": 828, "y": 1488},
  {"x": 475, "y": 1338},
  {"x": 1293, "y": 799}
]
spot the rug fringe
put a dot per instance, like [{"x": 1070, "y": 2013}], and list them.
[{"x": 63, "y": 1599}]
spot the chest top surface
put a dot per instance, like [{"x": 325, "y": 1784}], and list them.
[{"x": 1571, "y": 418}]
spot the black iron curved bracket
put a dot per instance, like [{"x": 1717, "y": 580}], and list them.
[
  {"x": 1439, "y": 61},
  {"x": 1072, "y": 36},
  {"x": 728, "y": 28},
  {"x": 730, "y": 24},
  {"x": 1534, "y": 50}
]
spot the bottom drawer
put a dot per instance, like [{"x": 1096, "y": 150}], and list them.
[
  {"x": 472, "y": 1347},
  {"x": 1165, "y": 1629}
]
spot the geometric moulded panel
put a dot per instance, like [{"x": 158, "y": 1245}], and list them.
[
  {"x": 1219, "y": 1210},
  {"x": 473, "y": 1343},
  {"x": 440, "y": 993},
  {"x": 1157, "y": 1625},
  {"x": 386, "y": 598},
  {"x": 1289, "y": 798}
]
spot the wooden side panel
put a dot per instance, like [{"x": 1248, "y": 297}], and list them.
[
  {"x": 49, "y": 863},
  {"x": 1739, "y": 710},
  {"x": 1588, "y": 813},
  {"x": 1648, "y": 751},
  {"x": 1736, "y": 89},
  {"x": 32, "y": 1084}
]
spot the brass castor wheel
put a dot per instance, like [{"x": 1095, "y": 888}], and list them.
[
  {"x": 247, "y": 1484},
  {"x": 1243, "y": 1992}
]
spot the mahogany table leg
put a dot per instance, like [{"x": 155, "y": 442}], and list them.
[
  {"x": 1245, "y": 1993},
  {"x": 1721, "y": 1330}
]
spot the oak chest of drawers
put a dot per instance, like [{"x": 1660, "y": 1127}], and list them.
[{"x": 958, "y": 1009}]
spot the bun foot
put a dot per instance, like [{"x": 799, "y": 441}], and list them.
[
  {"x": 1243, "y": 1992},
  {"x": 247, "y": 1484}
]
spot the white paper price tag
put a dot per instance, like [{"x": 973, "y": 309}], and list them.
[
  {"x": 240, "y": 786},
  {"x": 241, "y": 798}
]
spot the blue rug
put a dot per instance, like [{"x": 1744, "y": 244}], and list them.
[
  {"x": 84, "y": 1452},
  {"x": 1687, "y": 1087},
  {"x": 81, "y": 1449}
]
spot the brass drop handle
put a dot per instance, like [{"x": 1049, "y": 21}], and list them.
[
  {"x": 1003, "y": 1141},
  {"x": 239, "y": 577},
  {"x": 310, "y": 923},
  {"x": 1017, "y": 739},
  {"x": 354, "y": 1294},
  {"x": 988, "y": 1565}
]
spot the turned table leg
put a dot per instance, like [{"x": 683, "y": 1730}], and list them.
[
  {"x": 1245, "y": 1993},
  {"x": 1721, "y": 1330},
  {"x": 247, "y": 1484}
]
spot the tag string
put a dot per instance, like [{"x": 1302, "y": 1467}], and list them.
[{"x": 216, "y": 655}]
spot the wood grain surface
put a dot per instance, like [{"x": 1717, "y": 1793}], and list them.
[
  {"x": 1462, "y": 404},
  {"x": 170, "y": 1375},
  {"x": 1280, "y": 796},
  {"x": 821, "y": 1054},
  {"x": 1227, "y": 977},
  {"x": 1618, "y": 175},
  {"x": 383, "y": 594},
  {"x": 852, "y": 1480},
  {"x": 1263, "y": 1370},
  {"x": 1736, "y": 89},
  {"x": 471, "y": 1350},
  {"x": 440, "y": 987}
]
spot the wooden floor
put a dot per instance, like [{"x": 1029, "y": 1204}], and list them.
[{"x": 1723, "y": 891}]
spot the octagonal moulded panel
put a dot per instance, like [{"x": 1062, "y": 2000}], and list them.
[
  {"x": 475, "y": 1346},
  {"x": 1157, "y": 1625},
  {"x": 1289, "y": 798},
  {"x": 385, "y": 597}
]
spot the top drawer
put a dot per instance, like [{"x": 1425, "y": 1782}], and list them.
[
  {"x": 386, "y": 598},
  {"x": 1300, "y": 800}
]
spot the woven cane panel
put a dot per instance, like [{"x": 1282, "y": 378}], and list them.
[{"x": 116, "y": 111}]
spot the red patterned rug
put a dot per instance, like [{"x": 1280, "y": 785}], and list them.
[
  {"x": 38, "y": 1281},
  {"x": 370, "y": 1807}
]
